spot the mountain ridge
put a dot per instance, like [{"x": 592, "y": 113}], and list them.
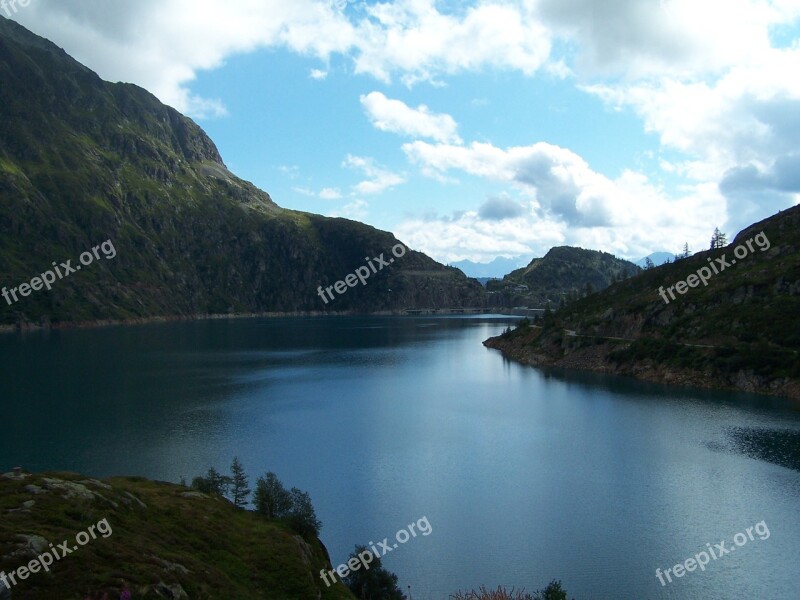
[
  {"x": 739, "y": 332},
  {"x": 562, "y": 275},
  {"x": 83, "y": 161}
]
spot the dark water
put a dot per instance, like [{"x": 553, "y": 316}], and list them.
[{"x": 523, "y": 476}]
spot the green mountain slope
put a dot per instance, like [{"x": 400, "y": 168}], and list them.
[
  {"x": 83, "y": 161},
  {"x": 741, "y": 331},
  {"x": 165, "y": 540},
  {"x": 565, "y": 273}
]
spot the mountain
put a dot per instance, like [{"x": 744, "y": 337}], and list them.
[
  {"x": 565, "y": 273},
  {"x": 740, "y": 331},
  {"x": 165, "y": 540},
  {"x": 658, "y": 258},
  {"x": 492, "y": 270},
  {"x": 83, "y": 162}
]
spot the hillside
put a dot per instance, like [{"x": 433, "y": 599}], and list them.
[
  {"x": 563, "y": 274},
  {"x": 83, "y": 161},
  {"x": 165, "y": 540},
  {"x": 741, "y": 331}
]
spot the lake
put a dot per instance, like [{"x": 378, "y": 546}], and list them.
[{"x": 524, "y": 475}]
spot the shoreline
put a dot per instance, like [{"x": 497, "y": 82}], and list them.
[
  {"x": 594, "y": 361},
  {"x": 67, "y": 325}
]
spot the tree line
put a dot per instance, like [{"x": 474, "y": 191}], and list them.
[{"x": 270, "y": 499}]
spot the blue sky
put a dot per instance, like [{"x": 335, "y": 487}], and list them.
[{"x": 478, "y": 129}]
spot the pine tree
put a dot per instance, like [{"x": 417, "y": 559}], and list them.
[
  {"x": 239, "y": 483},
  {"x": 718, "y": 239}
]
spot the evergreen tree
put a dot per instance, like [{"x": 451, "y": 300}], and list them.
[
  {"x": 239, "y": 484},
  {"x": 271, "y": 498},
  {"x": 718, "y": 239},
  {"x": 648, "y": 264}
]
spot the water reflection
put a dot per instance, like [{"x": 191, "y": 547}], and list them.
[{"x": 780, "y": 447}]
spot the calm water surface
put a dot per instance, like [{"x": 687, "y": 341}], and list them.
[{"x": 524, "y": 476}]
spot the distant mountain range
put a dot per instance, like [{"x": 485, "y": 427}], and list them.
[
  {"x": 83, "y": 161},
  {"x": 497, "y": 269},
  {"x": 658, "y": 258},
  {"x": 740, "y": 331},
  {"x": 564, "y": 274}
]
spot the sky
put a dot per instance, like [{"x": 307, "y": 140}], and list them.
[{"x": 477, "y": 129}]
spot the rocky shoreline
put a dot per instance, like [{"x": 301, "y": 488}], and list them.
[{"x": 520, "y": 347}]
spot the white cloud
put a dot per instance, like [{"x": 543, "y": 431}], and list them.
[
  {"x": 746, "y": 118},
  {"x": 707, "y": 77},
  {"x": 414, "y": 38},
  {"x": 291, "y": 171},
  {"x": 324, "y": 193},
  {"x": 154, "y": 43},
  {"x": 397, "y": 117},
  {"x": 679, "y": 37},
  {"x": 304, "y": 191},
  {"x": 559, "y": 180},
  {"x": 330, "y": 194},
  {"x": 356, "y": 210},
  {"x": 379, "y": 179},
  {"x": 567, "y": 202}
]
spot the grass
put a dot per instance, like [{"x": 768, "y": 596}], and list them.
[{"x": 200, "y": 543}]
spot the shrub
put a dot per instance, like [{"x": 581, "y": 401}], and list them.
[
  {"x": 302, "y": 517},
  {"x": 553, "y": 591},
  {"x": 213, "y": 483},
  {"x": 374, "y": 583}
]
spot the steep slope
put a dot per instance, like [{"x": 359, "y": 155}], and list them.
[
  {"x": 741, "y": 331},
  {"x": 83, "y": 161},
  {"x": 565, "y": 273},
  {"x": 165, "y": 540}
]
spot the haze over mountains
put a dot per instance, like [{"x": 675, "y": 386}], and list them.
[{"x": 498, "y": 268}]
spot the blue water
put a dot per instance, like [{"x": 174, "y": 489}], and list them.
[{"x": 524, "y": 476}]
